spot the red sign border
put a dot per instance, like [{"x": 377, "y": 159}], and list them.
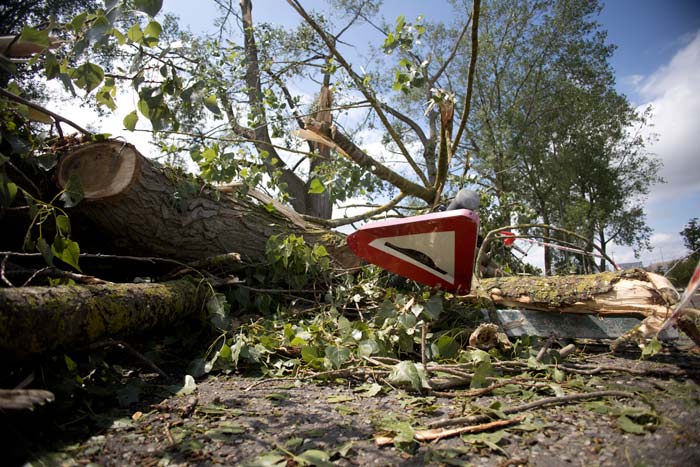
[{"x": 463, "y": 222}]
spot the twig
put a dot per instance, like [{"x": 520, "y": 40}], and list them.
[
  {"x": 37, "y": 191},
  {"x": 470, "y": 75},
  {"x": 594, "y": 370},
  {"x": 488, "y": 389},
  {"x": 145, "y": 259},
  {"x": 566, "y": 351},
  {"x": 423, "y": 356},
  {"x": 371, "y": 98},
  {"x": 450, "y": 371},
  {"x": 55, "y": 272},
  {"x": 124, "y": 346},
  {"x": 2, "y": 272},
  {"x": 35, "y": 274},
  {"x": 532, "y": 405},
  {"x": 169, "y": 435},
  {"x": 547, "y": 344},
  {"x": 489, "y": 236},
  {"x": 440, "y": 433},
  {"x": 382, "y": 361},
  {"x": 53, "y": 115},
  {"x": 349, "y": 220}
]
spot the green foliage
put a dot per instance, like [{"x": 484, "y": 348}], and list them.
[
  {"x": 691, "y": 237},
  {"x": 294, "y": 262},
  {"x": 150, "y": 7}
]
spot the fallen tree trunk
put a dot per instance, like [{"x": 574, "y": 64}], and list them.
[
  {"x": 634, "y": 292},
  {"x": 159, "y": 211},
  {"x": 41, "y": 319}
]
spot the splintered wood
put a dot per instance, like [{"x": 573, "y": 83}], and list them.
[{"x": 628, "y": 293}]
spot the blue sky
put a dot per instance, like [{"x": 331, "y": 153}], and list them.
[{"x": 657, "y": 62}]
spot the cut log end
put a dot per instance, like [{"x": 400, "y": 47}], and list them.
[{"x": 104, "y": 169}]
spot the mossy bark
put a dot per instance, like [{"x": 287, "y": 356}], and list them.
[
  {"x": 633, "y": 292},
  {"x": 34, "y": 320}
]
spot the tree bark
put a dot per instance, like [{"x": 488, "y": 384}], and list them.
[
  {"x": 158, "y": 211},
  {"x": 41, "y": 319},
  {"x": 634, "y": 292}
]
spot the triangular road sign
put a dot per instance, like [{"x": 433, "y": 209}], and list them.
[{"x": 434, "y": 249}]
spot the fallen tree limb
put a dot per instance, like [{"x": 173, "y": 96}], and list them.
[
  {"x": 627, "y": 293},
  {"x": 532, "y": 405},
  {"x": 437, "y": 434},
  {"x": 158, "y": 211},
  {"x": 40, "y": 319}
]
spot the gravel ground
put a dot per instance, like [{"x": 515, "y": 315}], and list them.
[{"x": 237, "y": 420}]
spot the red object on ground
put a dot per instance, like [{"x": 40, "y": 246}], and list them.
[{"x": 434, "y": 249}]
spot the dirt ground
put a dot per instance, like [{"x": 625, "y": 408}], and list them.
[{"x": 243, "y": 420}]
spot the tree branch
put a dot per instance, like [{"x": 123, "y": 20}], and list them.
[
  {"x": 41, "y": 109},
  {"x": 470, "y": 77},
  {"x": 263, "y": 143},
  {"x": 453, "y": 53},
  {"x": 332, "y": 223},
  {"x": 327, "y": 135},
  {"x": 330, "y": 43}
]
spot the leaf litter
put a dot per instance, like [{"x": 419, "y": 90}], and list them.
[{"x": 359, "y": 373}]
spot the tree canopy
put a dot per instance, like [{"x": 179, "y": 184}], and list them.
[{"x": 513, "y": 97}]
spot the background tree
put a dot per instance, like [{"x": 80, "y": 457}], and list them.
[
  {"x": 551, "y": 139},
  {"x": 691, "y": 236},
  {"x": 681, "y": 271}
]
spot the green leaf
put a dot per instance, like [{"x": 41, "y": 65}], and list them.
[
  {"x": 43, "y": 246},
  {"x": 315, "y": 457},
  {"x": 316, "y": 187},
  {"x": 212, "y": 104},
  {"x": 370, "y": 389},
  {"x": 67, "y": 251},
  {"x": 88, "y": 76},
  {"x": 72, "y": 192},
  {"x": 218, "y": 308},
  {"x": 407, "y": 373},
  {"x": 8, "y": 191},
  {"x": 134, "y": 33},
  {"x": 63, "y": 224},
  {"x": 144, "y": 108},
  {"x": 339, "y": 398},
  {"x": 70, "y": 364},
  {"x": 626, "y": 424},
  {"x": 100, "y": 26},
  {"x": 368, "y": 347},
  {"x": 104, "y": 97},
  {"x": 153, "y": 30},
  {"x": 266, "y": 460},
  {"x": 446, "y": 346},
  {"x": 130, "y": 120},
  {"x": 35, "y": 36},
  {"x": 150, "y": 7},
  {"x": 309, "y": 353},
  {"x": 337, "y": 355},
  {"x": 51, "y": 66},
  {"x": 651, "y": 348},
  {"x": 433, "y": 307}
]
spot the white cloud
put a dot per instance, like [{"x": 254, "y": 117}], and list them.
[
  {"x": 632, "y": 80},
  {"x": 672, "y": 91}
]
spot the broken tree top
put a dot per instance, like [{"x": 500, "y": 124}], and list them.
[{"x": 434, "y": 249}]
